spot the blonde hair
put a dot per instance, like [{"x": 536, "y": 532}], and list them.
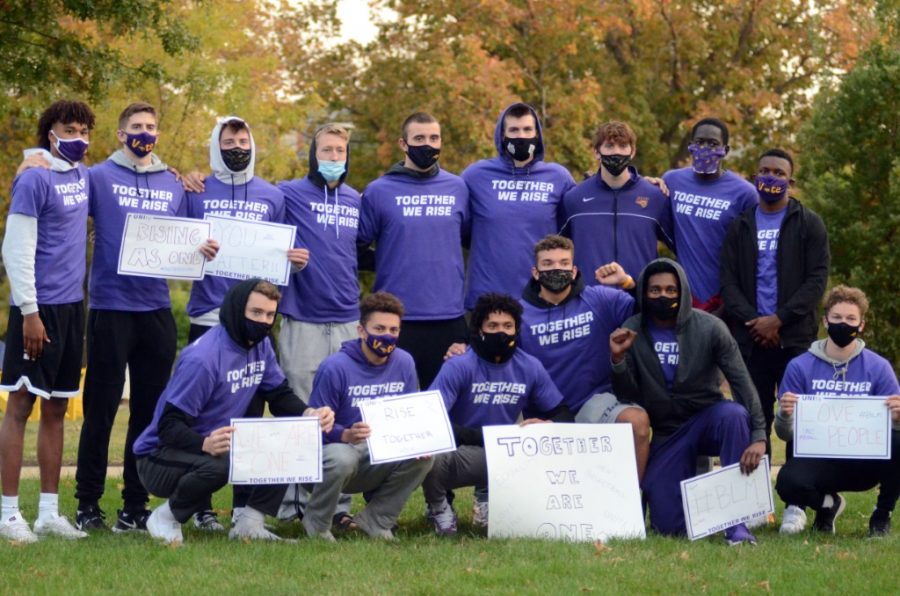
[
  {"x": 333, "y": 129},
  {"x": 842, "y": 293}
]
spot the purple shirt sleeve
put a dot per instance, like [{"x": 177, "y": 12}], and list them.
[
  {"x": 190, "y": 387},
  {"x": 794, "y": 381},
  {"x": 544, "y": 396},
  {"x": 326, "y": 391},
  {"x": 368, "y": 221},
  {"x": 28, "y": 196},
  {"x": 448, "y": 381}
]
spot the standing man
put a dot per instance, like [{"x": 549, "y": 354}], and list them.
[
  {"x": 667, "y": 358},
  {"x": 366, "y": 368},
  {"x": 705, "y": 200},
  {"x": 44, "y": 255},
  {"x": 516, "y": 186},
  {"x": 774, "y": 268},
  {"x": 616, "y": 216},
  {"x": 418, "y": 214},
  {"x": 130, "y": 321}
]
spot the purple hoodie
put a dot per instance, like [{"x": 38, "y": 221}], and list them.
[
  {"x": 59, "y": 202},
  {"x": 347, "y": 377},
  {"x": 479, "y": 393},
  {"x": 512, "y": 208},
  {"x": 622, "y": 224},
  {"x": 813, "y": 373},
  {"x": 214, "y": 381},
  {"x": 117, "y": 191},
  {"x": 418, "y": 224}
]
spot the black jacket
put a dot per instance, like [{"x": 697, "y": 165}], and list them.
[{"x": 803, "y": 261}]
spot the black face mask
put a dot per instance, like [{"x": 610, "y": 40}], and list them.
[
  {"x": 520, "y": 149},
  {"x": 424, "y": 156},
  {"x": 842, "y": 334},
  {"x": 615, "y": 164},
  {"x": 495, "y": 347},
  {"x": 556, "y": 280},
  {"x": 255, "y": 331},
  {"x": 664, "y": 309},
  {"x": 236, "y": 159}
]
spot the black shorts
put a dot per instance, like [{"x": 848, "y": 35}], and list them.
[{"x": 57, "y": 373}]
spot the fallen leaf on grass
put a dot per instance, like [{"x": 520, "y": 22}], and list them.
[
  {"x": 600, "y": 547},
  {"x": 587, "y": 589},
  {"x": 764, "y": 585},
  {"x": 844, "y": 555},
  {"x": 684, "y": 555}
]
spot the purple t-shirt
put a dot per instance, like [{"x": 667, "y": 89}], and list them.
[
  {"x": 768, "y": 226},
  {"x": 418, "y": 226},
  {"x": 479, "y": 393},
  {"x": 59, "y": 202},
  {"x": 622, "y": 225},
  {"x": 702, "y": 211},
  {"x": 346, "y": 378},
  {"x": 665, "y": 344},
  {"x": 867, "y": 374},
  {"x": 214, "y": 381},
  {"x": 512, "y": 208},
  {"x": 115, "y": 192},
  {"x": 572, "y": 340},
  {"x": 255, "y": 201},
  {"x": 327, "y": 289}
]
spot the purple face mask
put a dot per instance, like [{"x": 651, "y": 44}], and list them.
[
  {"x": 770, "y": 188},
  {"x": 141, "y": 144},
  {"x": 72, "y": 150},
  {"x": 706, "y": 159},
  {"x": 382, "y": 345}
]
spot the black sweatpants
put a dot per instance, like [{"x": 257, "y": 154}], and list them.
[
  {"x": 188, "y": 480},
  {"x": 428, "y": 341},
  {"x": 766, "y": 367},
  {"x": 145, "y": 342}
]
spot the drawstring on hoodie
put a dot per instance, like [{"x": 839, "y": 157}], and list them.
[{"x": 337, "y": 206}]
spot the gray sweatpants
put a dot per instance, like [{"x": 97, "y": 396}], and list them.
[
  {"x": 346, "y": 468},
  {"x": 602, "y": 408},
  {"x": 467, "y": 466}
]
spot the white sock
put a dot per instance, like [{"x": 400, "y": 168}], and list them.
[
  {"x": 9, "y": 507},
  {"x": 48, "y": 505},
  {"x": 828, "y": 502}
]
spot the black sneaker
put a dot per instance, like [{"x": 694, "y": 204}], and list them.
[
  {"x": 879, "y": 523},
  {"x": 90, "y": 518},
  {"x": 826, "y": 516},
  {"x": 131, "y": 520}
]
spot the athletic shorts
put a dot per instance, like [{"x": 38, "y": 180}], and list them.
[
  {"x": 602, "y": 408},
  {"x": 57, "y": 373}
]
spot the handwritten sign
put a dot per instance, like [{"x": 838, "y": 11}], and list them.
[
  {"x": 161, "y": 246},
  {"x": 276, "y": 450},
  {"x": 724, "y": 498},
  {"x": 407, "y": 426},
  {"x": 575, "y": 482},
  {"x": 251, "y": 249},
  {"x": 842, "y": 427}
]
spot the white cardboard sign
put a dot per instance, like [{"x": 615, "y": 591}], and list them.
[
  {"x": 842, "y": 427},
  {"x": 162, "y": 246},
  {"x": 407, "y": 426},
  {"x": 575, "y": 482},
  {"x": 724, "y": 498},
  {"x": 251, "y": 249},
  {"x": 276, "y": 450}
]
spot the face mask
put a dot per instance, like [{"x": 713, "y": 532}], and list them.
[
  {"x": 140, "y": 144},
  {"x": 770, "y": 188},
  {"x": 424, "y": 156},
  {"x": 256, "y": 331},
  {"x": 556, "y": 280},
  {"x": 615, "y": 164},
  {"x": 382, "y": 345},
  {"x": 842, "y": 333},
  {"x": 494, "y": 347},
  {"x": 72, "y": 150},
  {"x": 237, "y": 159},
  {"x": 520, "y": 149},
  {"x": 706, "y": 159},
  {"x": 664, "y": 309},
  {"x": 332, "y": 170}
]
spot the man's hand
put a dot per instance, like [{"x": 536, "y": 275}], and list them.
[
  {"x": 612, "y": 274},
  {"x": 192, "y": 182},
  {"x": 752, "y": 455},
  {"x": 764, "y": 330},
  {"x": 620, "y": 341},
  {"x": 325, "y": 416},
  {"x": 357, "y": 433},
  {"x": 209, "y": 249},
  {"x": 787, "y": 403},
  {"x": 299, "y": 257},
  {"x": 455, "y": 349},
  {"x": 219, "y": 441},
  {"x": 33, "y": 161},
  {"x": 528, "y": 421},
  {"x": 35, "y": 335},
  {"x": 658, "y": 182},
  {"x": 893, "y": 402}
]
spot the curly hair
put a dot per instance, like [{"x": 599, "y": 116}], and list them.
[{"x": 64, "y": 112}]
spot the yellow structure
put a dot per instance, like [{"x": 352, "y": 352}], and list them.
[{"x": 75, "y": 411}]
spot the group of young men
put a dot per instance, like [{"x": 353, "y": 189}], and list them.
[{"x": 531, "y": 331}]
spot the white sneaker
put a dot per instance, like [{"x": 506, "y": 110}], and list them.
[
  {"x": 793, "y": 521},
  {"x": 15, "y": 529},
  {"x": 57, "y": 525},
  {"x": 163, "y": 526},
  {"x": 444, "y": 519},
  {"x": 373, "y": 531},
  {"x": 247, "y": 527},
  {"x": 325, "y": 535},
  {"x": 208, "y": 521},
  {"x": 480, "y": 514}
]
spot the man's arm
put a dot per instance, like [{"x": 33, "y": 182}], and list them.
[
  {"x": 284, "y": 402},
  {"x": 737, "y": 305},
  {"x": 818, "y": 260},
  {"x": 176, "y": 430},
  {"x": 728, "y": 358},
  {"x": 624, "y": 383},
  {"x": 791, "y": 385}
]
